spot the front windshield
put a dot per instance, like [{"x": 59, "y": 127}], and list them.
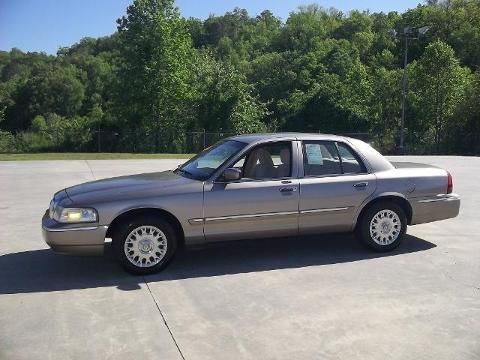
[{"x": 203, "y": 165}]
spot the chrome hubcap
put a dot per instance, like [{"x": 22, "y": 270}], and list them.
[
  {"x": 145, "y": 246},
  {"x": 385, "y": 227}
]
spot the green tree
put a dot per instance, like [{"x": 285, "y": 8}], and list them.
[
  {"x": 154, "y": 73},
  {"x": 57, "y": 89},
  {"x": 439, "y": 84},
  {"x": 384, "y": 111},
  {"x": 39, "y": 124},
  {"x": 223, "y": 98},
  {"x": 466, "y": 138},
  {"x": 159, "y": 76}
]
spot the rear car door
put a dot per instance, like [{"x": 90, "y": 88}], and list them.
[
  {"x": 263, "y": 203},
  {"x": 334, "y": 184}
]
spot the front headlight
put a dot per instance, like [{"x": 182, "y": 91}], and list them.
[{"x": 74, "y": 215}]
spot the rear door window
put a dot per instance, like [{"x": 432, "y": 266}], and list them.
[
  {"x": 351, "y": 163},
  {"x": 323, "y": 158}
]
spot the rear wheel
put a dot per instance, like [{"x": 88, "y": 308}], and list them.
[
  {"x": 145, "y": 245},
  {"x": 383, "y": 226}
]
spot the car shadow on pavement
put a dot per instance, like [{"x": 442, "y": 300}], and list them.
[{"x": 44, "y": 271}]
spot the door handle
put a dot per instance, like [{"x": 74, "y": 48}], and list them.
[
  {"x": 288, "y": 189},
  {"x": 360, "y": 185}
]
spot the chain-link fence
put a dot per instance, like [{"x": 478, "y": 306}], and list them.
[
  {"x": 140, "y": 141},
  {"x": 450, "y": 143},
  {"x": 109, "y": 141},
  {"x": 169, "y": 141}
]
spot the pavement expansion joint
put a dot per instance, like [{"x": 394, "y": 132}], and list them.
[
  {"x": 90, "y": 168},
  {"x": 163, "y": 318}
]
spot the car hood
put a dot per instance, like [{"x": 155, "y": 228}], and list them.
[{"x": 140, "y": 185}]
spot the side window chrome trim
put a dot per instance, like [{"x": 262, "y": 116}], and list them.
[
  {"x": 366, "y": 163},
  {"x": 355, "y": 154},
  {"x": 334, "y": 175},
  {"x": 358, "y": 158},
  {"x": 304, "y": 158},
  {"x": 253, "y": 180},
  {"x": 247, "y": 151}
]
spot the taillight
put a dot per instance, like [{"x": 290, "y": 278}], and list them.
[{"x": 449, "y": 183}]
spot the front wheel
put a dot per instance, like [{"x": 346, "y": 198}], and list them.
[
  {"x": 145, "y": 245},
  {"x": 383, "y": 226}
]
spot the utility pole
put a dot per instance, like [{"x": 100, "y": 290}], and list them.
[
  {"x": 412, "y": 34},
  {"x": 404, "y": 95},
  {"x": 98, "y": 138}
]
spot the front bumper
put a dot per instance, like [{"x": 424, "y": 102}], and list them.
[
  {"x": 84, "y": 239},
  {"x": 440, "y": 207}
]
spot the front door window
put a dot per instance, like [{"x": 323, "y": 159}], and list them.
[{"x": 267, "y": 162}]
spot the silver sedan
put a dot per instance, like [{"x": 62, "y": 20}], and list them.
[{"x": 250, "y": 186}]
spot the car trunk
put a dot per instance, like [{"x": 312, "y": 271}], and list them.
[{"x": 410, "y": 165}]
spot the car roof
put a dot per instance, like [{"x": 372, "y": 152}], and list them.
[{"x": 251, "y": 138}]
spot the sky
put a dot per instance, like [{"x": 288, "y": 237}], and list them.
[{"x": 47, "y": 25}]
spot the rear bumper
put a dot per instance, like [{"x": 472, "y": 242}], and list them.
[
  {"x": 66, "y": 239},
  {"x": 440, "y": 207}
]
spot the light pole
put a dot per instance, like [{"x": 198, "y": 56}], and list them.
[{"x": 409, "y": 33}]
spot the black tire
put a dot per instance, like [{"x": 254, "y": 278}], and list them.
[
  {"x": 363, "y": 228},
  {"x": 120, "y": 237}
]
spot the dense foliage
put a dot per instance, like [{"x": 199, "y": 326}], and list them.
[{"x": 161, "y": 77}]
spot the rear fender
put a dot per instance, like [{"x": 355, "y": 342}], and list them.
[{"x": 396, "y": 197}]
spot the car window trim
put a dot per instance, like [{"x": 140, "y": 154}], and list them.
[
  {"x": 249, "y": 149},
  {"x": 339, "y": 157},
  {"x": 248, "y": 180},
  {"x": 365, "y": 170},
  {"x": 203, "y": 178},
  {"x": 355, "y": 155},
  {"x": 333, "y": 175},
  {"x": 304, "y": 157}
]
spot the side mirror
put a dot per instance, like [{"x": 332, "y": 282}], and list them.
[{"x": 232, "y": 174}]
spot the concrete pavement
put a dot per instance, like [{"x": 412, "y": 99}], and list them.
[{"x": 322, "y": 297}]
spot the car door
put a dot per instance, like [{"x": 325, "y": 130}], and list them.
[
  {"x": 263, "y": 203},
  {"x": 335, "y": 183}
]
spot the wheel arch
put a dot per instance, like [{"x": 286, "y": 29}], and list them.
[
  {"x": 157, "y": 212},
  {"x": 396, "y": 198}
]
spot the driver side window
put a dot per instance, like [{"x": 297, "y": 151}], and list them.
[{"x": 267, "y": 162}]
